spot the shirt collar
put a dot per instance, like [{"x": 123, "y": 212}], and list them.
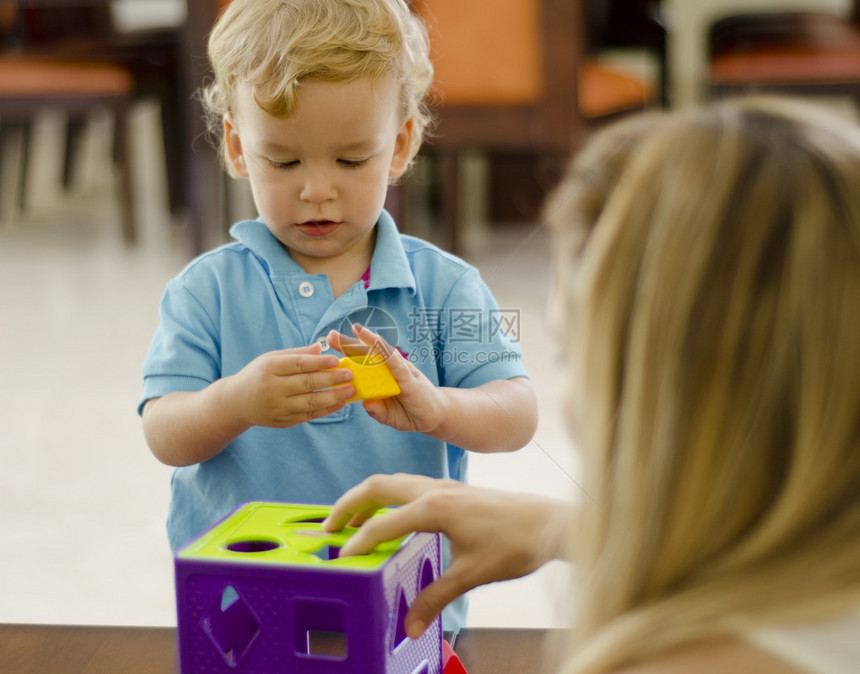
[
  {"x": 389, "y": 266},
  {"x": 254, "y": 235}
]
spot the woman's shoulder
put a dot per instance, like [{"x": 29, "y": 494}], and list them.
[{"x": 713, "y": 657}]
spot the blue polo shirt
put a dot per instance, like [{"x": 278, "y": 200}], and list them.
[{"x": 247, "y": 298}]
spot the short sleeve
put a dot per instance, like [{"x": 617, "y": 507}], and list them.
[
  {"x": 185, "y": 352},
  {"x": 479, "y": 340}
]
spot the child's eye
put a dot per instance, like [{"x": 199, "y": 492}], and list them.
[
  {"x": 352, "y": 163},
  {"x": 283, "y": 164}
]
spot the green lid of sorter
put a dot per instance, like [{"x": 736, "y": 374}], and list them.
[{"x": 263, "y": 532}]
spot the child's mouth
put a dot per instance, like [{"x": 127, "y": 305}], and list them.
[{"x": 318, "y": 227}]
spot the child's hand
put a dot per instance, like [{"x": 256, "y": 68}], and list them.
[
  {"x": 419, "y": 407},
  {"x": 284, "y": 388}
]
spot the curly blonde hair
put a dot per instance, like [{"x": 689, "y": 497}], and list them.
[
  {"x": 273, "y": 45},
  {"x": 713, "y": 326}
]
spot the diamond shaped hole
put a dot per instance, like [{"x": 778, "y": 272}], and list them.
[
  {"x": 399, "y": 629},
  {"x": 232, "y": 626}
]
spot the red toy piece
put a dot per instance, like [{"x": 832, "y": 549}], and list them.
[{"x": 450, "y": 662}]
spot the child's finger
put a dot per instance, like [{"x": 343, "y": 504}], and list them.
[
  {"x": 322, "y": 380},
  {"x": 379, "y": 347},
  {"x": 309, "y": 405},
  {"x": 288, "y": 362},
  {"x": 374, "y": 342},
  {"x": 348, "y": 346},
  {"x": 313, "y": 349}
]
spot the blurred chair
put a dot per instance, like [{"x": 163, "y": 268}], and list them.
[
  {"x": 512, "y": 76},
  {"x": 31, "y": 83},
  {"x": 630, "y": 24},
  {"x": 802, "y": 53},
  {"x": 152, "y": 55},
  {"x": 207, "y": 189},
  {"x": 84, "y": 31}
]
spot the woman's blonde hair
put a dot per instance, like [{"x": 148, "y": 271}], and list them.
[
  {"x": 713, "y": 319},
  {"x": 274, "y": 45}
]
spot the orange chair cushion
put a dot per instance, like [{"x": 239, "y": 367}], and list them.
[
  {"x": 788, "y": 64},
  {"x": 20, "y": 77},
  {"x": 605, "y": 91},
  {"x": 485, "y": 51}
]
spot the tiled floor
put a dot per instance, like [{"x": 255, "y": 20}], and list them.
[{"x": 82, "y": 502}]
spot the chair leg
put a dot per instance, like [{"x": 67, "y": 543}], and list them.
[
  {"x": 450, "y": 200},
  {"x": 6, "y": 130},
  {"x": 664, "y": 75},
  {"x": 126, "y": 193},
  {"x": 74, "y": 132},
  {"x": 175, "y": 145},
  {"x": 26, "y": 130}
]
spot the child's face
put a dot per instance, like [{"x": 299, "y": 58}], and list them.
[{"x": 320, "y": 175}]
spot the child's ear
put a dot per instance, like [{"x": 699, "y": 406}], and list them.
[
  {"x": 233, "y": 147},
  {"x": 402, "y": 149}
]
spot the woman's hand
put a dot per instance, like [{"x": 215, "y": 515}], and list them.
[{"x": 494, "y": 535}]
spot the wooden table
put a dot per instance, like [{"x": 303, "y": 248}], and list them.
[{"x": 68, "y": 649}]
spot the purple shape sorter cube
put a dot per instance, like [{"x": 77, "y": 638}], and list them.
[{"x": 264, "y": 591}]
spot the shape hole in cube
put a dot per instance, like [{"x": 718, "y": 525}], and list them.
[
  {"x": 325, "y": 643},
  {"x": 425, "y": 577},
  {"x": 253, "y": 545},
  {"x": 399, "y": 627},
  {"x": 327, "y": 552},
  {"x": 232, "y": 626},
  {"x": 311, "y": 532},
  {"x": 321, "y": 629},
  {"x": 228, "y": 597},
  {"x": 304, "y": 519}
]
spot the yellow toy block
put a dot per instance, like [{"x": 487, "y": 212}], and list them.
[{"x": 371, "y": 377}]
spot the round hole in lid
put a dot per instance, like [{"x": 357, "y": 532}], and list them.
[{"x": 252, "y": 545}]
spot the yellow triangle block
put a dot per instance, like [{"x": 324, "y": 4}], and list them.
[{"x": 371, "y": 377}]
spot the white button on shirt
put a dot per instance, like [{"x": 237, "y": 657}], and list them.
[{"x": 306, "y": 289}]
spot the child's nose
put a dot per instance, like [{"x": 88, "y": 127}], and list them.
[{"x": 317, "y": 187}]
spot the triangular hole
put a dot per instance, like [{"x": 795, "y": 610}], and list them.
[{"x": 399, "y": 629}]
